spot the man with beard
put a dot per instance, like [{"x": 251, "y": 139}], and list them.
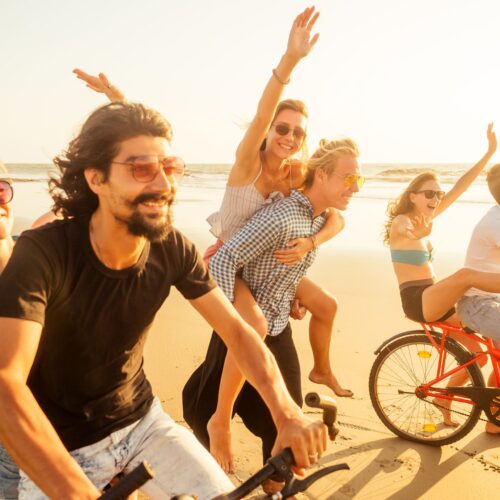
[{"x": 76, "y": 300}]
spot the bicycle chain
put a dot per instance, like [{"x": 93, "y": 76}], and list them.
[{"x": 453, "y": 411}]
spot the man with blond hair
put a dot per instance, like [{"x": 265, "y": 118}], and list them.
[{"x": 477, "y": 309}]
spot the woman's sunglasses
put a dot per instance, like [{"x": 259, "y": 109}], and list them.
[
  {"x": 284, "y": 129},
  {"x": 146, "y": 168},
  {"x": 430, "y": 193},
  {"x": 6, "y": 192}
]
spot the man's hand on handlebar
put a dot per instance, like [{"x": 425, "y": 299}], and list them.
[{"x": 306, "y": 437}]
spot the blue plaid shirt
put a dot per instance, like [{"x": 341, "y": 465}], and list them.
[{"x": 272, "y": 284}]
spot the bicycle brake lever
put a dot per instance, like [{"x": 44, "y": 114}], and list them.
[{"x": 294, "y": 486}]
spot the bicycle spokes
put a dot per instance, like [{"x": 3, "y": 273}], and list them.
[{"x": 408, "y": 388}]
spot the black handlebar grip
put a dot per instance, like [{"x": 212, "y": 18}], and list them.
[
  {"x": 329, "y": 407},
  {"x": 129, "y": 483}
]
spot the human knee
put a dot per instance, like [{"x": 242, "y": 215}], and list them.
[
  {"x": 326, "y": 307},
  {"x": 465, "y": 276}
]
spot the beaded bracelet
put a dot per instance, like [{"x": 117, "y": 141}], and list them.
[{"x": 275, "y": 74}]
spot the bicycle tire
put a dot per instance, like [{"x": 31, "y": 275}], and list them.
[{"x": 402, "y": 366}]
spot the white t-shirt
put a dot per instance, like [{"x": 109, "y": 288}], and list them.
[{"x": 483, "y": 253}]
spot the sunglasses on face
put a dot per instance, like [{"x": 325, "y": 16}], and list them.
[
  {"x": 6, "y": 192},
  {"x": 430, "y": 193},
  {"x": 145, "y": 168},
  {"x": 284, "y": 129},
  {"x": 351, "y": 179}
]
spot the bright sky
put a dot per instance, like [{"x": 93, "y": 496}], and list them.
[{"x": 409, "y": 80}]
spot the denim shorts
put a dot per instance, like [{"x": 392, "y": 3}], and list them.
[
  {"x": 9, "y": 476},
  {"x": 181, "y": 464},
  {"x": 482, "y": 314}
]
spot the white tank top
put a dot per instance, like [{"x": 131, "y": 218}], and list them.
[{"x": 238, "y": 205}]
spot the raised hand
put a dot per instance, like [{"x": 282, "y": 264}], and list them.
[
  {"x": 101, "y": 84},
  {"x": 420, "y": 227},
  {"x": 492, "y": 139},
  {"x": 300, "y": 42}
]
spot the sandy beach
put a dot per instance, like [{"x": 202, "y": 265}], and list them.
[{"x": 356, "y": 268}]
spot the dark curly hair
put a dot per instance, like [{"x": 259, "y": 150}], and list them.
[{"x": 95, "y": 146}]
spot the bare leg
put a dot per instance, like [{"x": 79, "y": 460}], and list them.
[
  {"x": 491, "y": 428},
  {"x": 457, "y": 380},
  {"x": 443, "y": 295},
  {"x": 323, "y": 307},
  {"x": 219, "y": 425}
]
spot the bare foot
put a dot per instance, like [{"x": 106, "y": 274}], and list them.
[
  {"x": 444, "y": 405},
  {"x": 220, "y": 445},
  {"x": 330, "y": 381},
  {"x": 491, "y": 428}
]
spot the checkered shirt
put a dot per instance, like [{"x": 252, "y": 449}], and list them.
[{"x": 272, "y": 284}]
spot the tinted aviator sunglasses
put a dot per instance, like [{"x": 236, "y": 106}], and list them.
[
  {"x": 145, "y": 168},
  {"x": 6, "y": 192},
  {"x": 284, "y": 129},
  {"x": 430, "y": 193},
  {"x": 351, "y": 179}
]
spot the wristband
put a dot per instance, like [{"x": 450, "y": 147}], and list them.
[{"x": 283, "y": 82}]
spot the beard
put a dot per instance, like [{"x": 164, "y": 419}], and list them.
[{"x": 152, "y": 227}]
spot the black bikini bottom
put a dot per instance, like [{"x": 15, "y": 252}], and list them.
[{"x": 411, "y": 299}]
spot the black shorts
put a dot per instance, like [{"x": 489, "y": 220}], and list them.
[{"x": 411, "y": 299}]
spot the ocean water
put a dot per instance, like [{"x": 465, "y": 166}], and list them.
[
  {"x": 202, "y": 189},
  {"x": 383, "y": 178}
]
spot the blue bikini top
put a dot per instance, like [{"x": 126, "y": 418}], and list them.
[{"x": 413, "y": 257}]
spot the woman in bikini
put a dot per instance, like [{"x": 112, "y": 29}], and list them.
[{"x": 407, "y": 231}]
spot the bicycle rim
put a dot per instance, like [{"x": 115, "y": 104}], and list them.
[{"x": 399, "y": 369}]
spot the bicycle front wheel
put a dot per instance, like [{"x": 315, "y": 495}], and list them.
[{"x": 400, "y": 369}]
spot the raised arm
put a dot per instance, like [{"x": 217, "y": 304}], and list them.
[
  {"x": 306, "y": 437},
  {"x": 102, "y": 85},
  {"x": 300, "y": 43},
  {"x": 300, "y": 247},
  {"x": 24, "y": 429},
  {"x": 468, "y": 178}
]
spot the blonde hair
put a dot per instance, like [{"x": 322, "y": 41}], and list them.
[
  {"x": 493, "y": 179},
  {"x": 403, "y": 204},
  {"x": 326, "y": 156}
]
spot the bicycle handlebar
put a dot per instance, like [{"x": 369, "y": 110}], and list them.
[
  {"x": 280, "y": 463},
  {"x": 329, "y": 407},
  {"x": 129, "y": 483}
]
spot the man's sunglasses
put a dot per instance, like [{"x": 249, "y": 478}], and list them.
[
  {"x": 6, "y": 192},
  {"x": 146, "y": 168},
  {"x": 284, "y": 129},
  {"x": 430, "y": 193},
  {"x": 351, "y": 179}
]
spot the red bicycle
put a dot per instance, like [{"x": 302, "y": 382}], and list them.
[{"x": 410, "y": 385}]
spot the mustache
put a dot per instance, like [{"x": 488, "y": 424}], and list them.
[{"x": 169, "y": 199}]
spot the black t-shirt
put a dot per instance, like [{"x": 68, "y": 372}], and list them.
[{"x": 88, "y": 371}]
